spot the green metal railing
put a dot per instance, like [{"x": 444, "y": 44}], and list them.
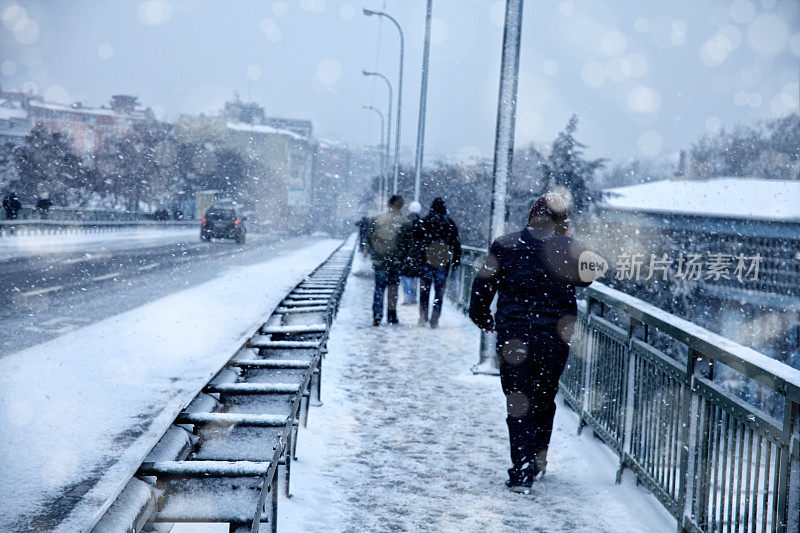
[{"x": 643, "y": 381}]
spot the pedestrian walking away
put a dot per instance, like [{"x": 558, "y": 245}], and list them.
[
  {"x": 386, "y": 246},
  {"x": 363, "y": 235},
  {"x": 440, "y": 251},
  {"x": 12, "y": 205},
  {"x": 534, "y": 273},
  {"x": 412, "y": 242}
]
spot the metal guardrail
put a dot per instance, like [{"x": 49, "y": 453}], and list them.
[
  {"x": 219, "y": 460},
  {"x": 25, "y": 228},
  {"x": 643, "y": 381}
]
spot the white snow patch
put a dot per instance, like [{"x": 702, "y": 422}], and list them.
[
  {"x": 80, "y": 412},
  {"x": 36, "y": 245},
  {"x": 764, "y": 199}
]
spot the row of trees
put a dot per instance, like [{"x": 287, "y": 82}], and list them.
[
  {"x": 467, "y": 189},
  {"x": 150, "y": 167},
  {"x": 766, "y": 149}
]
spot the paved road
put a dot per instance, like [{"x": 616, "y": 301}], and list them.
[{"x": 46, "y": 296}]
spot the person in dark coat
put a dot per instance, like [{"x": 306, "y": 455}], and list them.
[
  {"x": 387, "y": 257},
  {"x": 441, "y": 249},
  {"x": 43, "y": 205},
  {"x": 412, "y": 237},
  {"x": 534, "y": 273},
  {"x": 363, "y": 235},
  {"x": 12, "y": 205}
]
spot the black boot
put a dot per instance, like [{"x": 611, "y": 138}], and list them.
[
  {"x": 391, "y": 317},
  {"x": 376, "y": 321},
  {"x": 520, "y": 481}
]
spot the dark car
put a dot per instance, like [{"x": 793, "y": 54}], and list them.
[{"x": 222, "y": 223}]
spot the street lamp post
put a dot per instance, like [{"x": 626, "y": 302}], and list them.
[
  {"x": 383, "y": 151},
  {"x": 423, "y": 99},
  {"x": 396, "y": 166},
  {"x": 389, "y": 127},
  {"x": 503, "y": 154}
]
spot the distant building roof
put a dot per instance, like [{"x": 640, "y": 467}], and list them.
[
  {"x": 260, "y": 128},
  {"x": 10, "y": 112},
  {"x": 101, "y": 111},
  {"x": 729, "y": 197}
]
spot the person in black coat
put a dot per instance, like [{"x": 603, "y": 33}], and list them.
[
  {"x": 534, "y": 273},
  {"x": 412, "y": 263},
  {"x": 440, "y": 249},
  {"x": 12, "y": 205}
]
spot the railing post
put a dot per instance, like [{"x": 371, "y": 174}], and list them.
[
  {"x": 789, "y": 497},
  {"x": 591, "y": 306},
  {"x": 636, "y": 330},
  {"x": 691, "y": 456}
]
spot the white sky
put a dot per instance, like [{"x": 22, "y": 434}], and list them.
[{"x": 645, "y": 78}]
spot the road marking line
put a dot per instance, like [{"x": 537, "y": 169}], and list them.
[
  {"x": 42, "y": 291},
  {"x": 148, "y": 267},
  {"x": 107, "y": 276}
]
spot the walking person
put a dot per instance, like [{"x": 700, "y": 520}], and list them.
[
  {"x": 412, "y": 240},
  {"x": 388, "y": 253},
  {"x": 534, "y": 273},
  {"x": 12, "y": 205},
  {"x": 441, "y": 250}
]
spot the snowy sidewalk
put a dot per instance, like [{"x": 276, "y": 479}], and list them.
[{"x": 409, "y": 440}]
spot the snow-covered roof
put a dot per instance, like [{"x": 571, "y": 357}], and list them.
[
  {"x": 7, "y": 113},
  {"x": 730, "y": 197},
  {"x": 98, "y": 111},
  {"x": 261, "y": 128}
]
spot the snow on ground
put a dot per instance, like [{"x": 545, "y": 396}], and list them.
[
  {"x": 409, "y": 440},
  {"x": 37, "y": 245},
  {"x": 80, "y": 412}
]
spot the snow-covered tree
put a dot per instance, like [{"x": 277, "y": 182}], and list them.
[{"x": 566, "y": 167}]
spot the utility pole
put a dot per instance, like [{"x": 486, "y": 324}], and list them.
[
  {"x": 384, "y": 163},
  {"x": 367, "y": 73},
  {"x": 503, "y": 156},
  {"x": 423, "y": 98},
  {"x": 396, "y": 164}
]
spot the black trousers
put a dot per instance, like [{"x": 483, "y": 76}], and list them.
[{"x": 531, "y": 364}]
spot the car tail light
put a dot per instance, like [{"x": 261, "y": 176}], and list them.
[
  {"x": 236, "y": 221},
  {"x": 204, "y": 220}
]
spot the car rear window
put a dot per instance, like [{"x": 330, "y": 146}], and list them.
[{"x": 220, "y": 213}]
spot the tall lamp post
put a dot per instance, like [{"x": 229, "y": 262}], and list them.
[
  {"x": 389, "y": 127},
  {"x": 423, "y": 100},
  {"x": 503, "y": 154},
  {"x": 383, "y": 153},
  {"x": 396, "y": 166}
]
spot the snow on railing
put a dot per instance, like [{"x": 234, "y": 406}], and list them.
[
  {"x": 643, "y": 380},
  {"x": 27, "y": 228}
]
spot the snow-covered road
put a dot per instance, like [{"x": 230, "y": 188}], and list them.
[
  {"x": 409, "y": 440},
  {"x": 79, "y": 412}
]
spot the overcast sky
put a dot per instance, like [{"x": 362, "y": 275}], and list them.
[{"x": 644, "y": 77}]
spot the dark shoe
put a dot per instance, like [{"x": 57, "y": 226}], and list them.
[
  {"x": 520, "y": 481},
  {"x": 391, "y": 317},
  {"x": 434, "y": 323},
  {"x": 376, "y": 321}
]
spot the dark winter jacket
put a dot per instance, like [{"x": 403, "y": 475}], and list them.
[
  {"x": 12, "y": 205},
  {"x": 534, "y": 272},
  {"x": 440, "y": 244},
  {"x": 384, "y": 240},
  {"x": 412, "y": 244}
]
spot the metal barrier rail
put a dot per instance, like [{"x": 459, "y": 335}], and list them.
[
  {"x": 643, "y": 380},
  {"x": 21, "y": 228},
  {"x": 29, "y": 212},
  {"x": 218, "y": 461}
]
